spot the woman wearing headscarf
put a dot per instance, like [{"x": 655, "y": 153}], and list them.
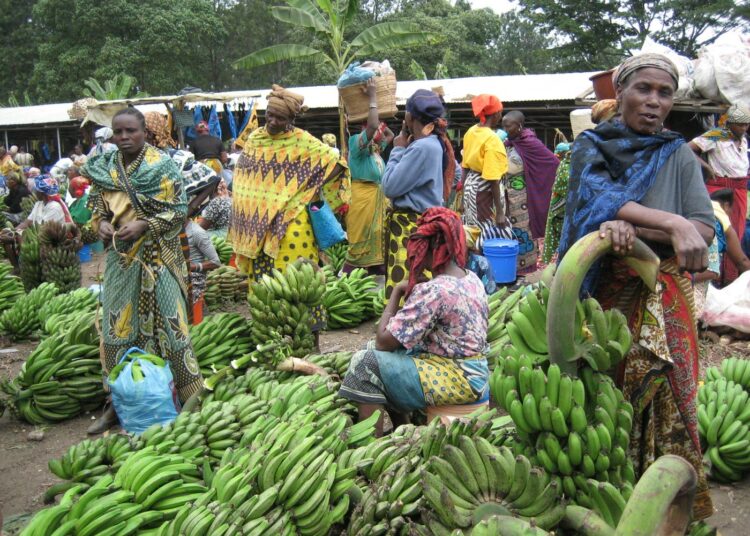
[
  {"x": 484, "y": 165},
  {"x": 102, "y": 143},
  {"x": 632, "y": 178},
  {"x": 723, "y": 155},
  {"x": 158, "y": 133},
  {"x": 419, "y": 175},
  {"x": 79, "y": 211},
  {"x": 139, "y": 207},
  {"x": 17, "y": 192},
  {"x": 430, "y": 351},
  {"x": 208, "y": 149},
  {"x": 281, "y": 171},
  {"x": 366, "y": 215}
]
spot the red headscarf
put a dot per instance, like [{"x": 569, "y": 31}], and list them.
[
  {"x": 78, "y": 186},
  {"x": 484, "y": 105},
  {"x": 440, "y": 231}
]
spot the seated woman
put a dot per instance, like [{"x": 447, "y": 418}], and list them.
[
  {"x": 17, "y": 191},
  {"x": 430, "y": 352}
]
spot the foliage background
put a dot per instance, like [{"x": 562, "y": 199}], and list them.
[{"x": 50, "y": 47}]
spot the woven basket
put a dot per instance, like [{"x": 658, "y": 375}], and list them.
[
  {"x": 357, "y": 103},
  {"x": 80, "y": 108}
]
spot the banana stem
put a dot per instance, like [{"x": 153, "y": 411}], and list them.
[
  {"x": 295, "y": 364},
  {"x": 566, "y": 287},
  {"x": 662, "y": 500},
  {"x": 585, "y": 522}
]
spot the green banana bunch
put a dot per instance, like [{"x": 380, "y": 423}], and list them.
[
  {"x": 378, "y": 303},
  {"x": 527, "y": 327},
  {"x": 61, "y": 378},
  {"x": 223, "y": 248},
  {"x": 135, "y": 370},
  {"x": 336, "y": 255},
  {"x": 484, "y": 422},
  {"x": 336, "y": 363},
  {"x": 225, "y": 284},
  {"x": 79, "y": 300},
  {"x": 28, "y": 257},
  {"x": 88, "y": 235},
  {"x": 724, "y": 422},
  {"x": 22, "y": 319},
  {"x": 737, "y": 370},
  {"x": 218, "y": 339},
  {"x": 392, "y": 503},
  {"x": 348, "y": 300},
  {"x": 506, "y": 525},
  {"x": 576, "y": 428},
  {"x": 11, "y": 287},
  {"x": 476, "y": 480},
  {"x": 610, "y": 336}
]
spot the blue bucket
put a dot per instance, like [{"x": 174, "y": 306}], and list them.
[
  {"x": 502, "y": 253},
  {"x": 84, "y": 254}
]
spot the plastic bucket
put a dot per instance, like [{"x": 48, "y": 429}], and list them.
[
  {"x": 604, "y": 87},
  {"x": 502, "y": 253},
  {"x": 84, "y": 254},
  {"x": 97, "y": 247}
]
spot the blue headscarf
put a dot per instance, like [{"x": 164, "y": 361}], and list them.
[
  {"x": 425, "y": 105},
  {"x": 46, "y": 184},
  {"x": 610, "y": 166}
]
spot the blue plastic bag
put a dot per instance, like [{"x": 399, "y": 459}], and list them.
[
  {"x": 326, "y": 227},
  {"x": 354, "y": 75},
  {"x": 140, "y": 404}
]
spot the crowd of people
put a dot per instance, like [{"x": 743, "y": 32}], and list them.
[{"x": 419, "y": 217}]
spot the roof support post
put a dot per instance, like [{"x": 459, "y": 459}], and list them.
[
  {"x": 59, "y": 144},
  {"x": 6, "y": 140}
]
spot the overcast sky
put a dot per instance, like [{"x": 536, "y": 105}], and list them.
[{"x": 498, "y": 5}]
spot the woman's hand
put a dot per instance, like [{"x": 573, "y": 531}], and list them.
[
  {"x": 622, "y": 233},
  {"x": 371, "y": 90},
  {"x": 132, "y": 231},
  {"x": 402, "y": 140},
  {"x": 106, "y": 231},
  {"x": 689, "y": 246}
]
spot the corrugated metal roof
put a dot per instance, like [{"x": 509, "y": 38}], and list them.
[{"x": 516, "y": 88}]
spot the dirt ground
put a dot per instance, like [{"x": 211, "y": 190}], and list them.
[{"x": 23, "y": 463}]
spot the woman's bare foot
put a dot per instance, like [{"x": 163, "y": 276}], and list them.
[{"x": 105, "y": 422}]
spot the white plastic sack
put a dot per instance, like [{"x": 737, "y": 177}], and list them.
[
  {"x": 729, "y": 306},
  {"x": 685, "y": 66},
  {"x": 727, "y": 61}
]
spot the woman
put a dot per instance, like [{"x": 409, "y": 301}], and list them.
[
  {"x": 629, "y": 178},
  {"x": 484, "y": 164},
  {"x": 158, "y": 132},
  {"x": 218, "y": 212},
  {"x": 366, "y": 214},
  {"x": 17, "y": 192},
  {"x": 49, "y": 207},
  {"x": 518, "y": 213},
  {"x": 282, "y": 170},
  {"x": 139, "y": 209},
  {"x": 539, "y": 169},
  {"x": 556, "y": 214},
  {"x": 419, "y": 175},
  {"x": 723, "y": 154},
  {"x": 79, "y": 211},
  {"x": 430, "y": 352}
]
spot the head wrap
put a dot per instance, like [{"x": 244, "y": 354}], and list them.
[
  {"x": 562, "y": 147},
  {"x": 13, "y": 149},
  {"x": 103, "y": 134},
  {"x": 158, "y": 125},
  {"x": 501, "y": 134},
  {"x": 738, "y": 114},
  {"x": 78, "y": 186},
  {"x": 425, "y": 105},
  {"x": 484, "y": 105},
  {"x": 33, "y": 172},
  {"x": 80, "y": 161},
  {"x": 202, "y": 126},
  {"x": 439, "y": 231},
  {"x": 285, "y": 102},
  {"x": 329, "y": 139},
  {"x": 46, "y": 184},
  {"x": 645, "y": 61},
  {"x": 604, "y": 110}
]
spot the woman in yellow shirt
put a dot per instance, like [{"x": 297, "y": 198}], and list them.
[{"x": 484, "y": 164}]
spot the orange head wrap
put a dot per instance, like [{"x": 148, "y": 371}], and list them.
[{"x": 484, "y": 105}]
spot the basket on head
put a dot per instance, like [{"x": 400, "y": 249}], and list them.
[
  {"x": 80, "y": 108},
  {"x": 357, "y": 103}
]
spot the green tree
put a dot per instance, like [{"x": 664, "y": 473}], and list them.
[
  {"x": 18, "y": 43},
  {"x": 597, "y": 34},
  {"x": 329, "y": 20}
]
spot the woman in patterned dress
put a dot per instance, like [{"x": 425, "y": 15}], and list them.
[
  {"x": 139, "y": 208},
  {"x": 430, "y": 352}
]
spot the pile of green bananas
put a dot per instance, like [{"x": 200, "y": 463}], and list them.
[
  {"x": 378, "y": 303},
  {"x": 336, "y": 255},
  {"x": 484, "y": 422},
  {"x": 88, "y": 235},
  {"x": 58, "y": 251},
  {"x": 11, "y": 287},
  {"x": 78, "y": 300},
  {"x": 223, "y": 248},
  {"x": 225, "y": 284},
  {"x": 348, "y": 299},
  {"x": 501, "y": 306},
  {"x": 280, "y": 306},
  {"x": 218, "y": 339},
  {"x": 476, "y": 479},
  {"x": 28, "y": 258},
  {"x": 22, "y": 319},
  {"x": 724, "y": 420},
  {"x": 87, "y": 462},
  {"x": 576, "y": 428},
  {"x": 61, "y": 378}
]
